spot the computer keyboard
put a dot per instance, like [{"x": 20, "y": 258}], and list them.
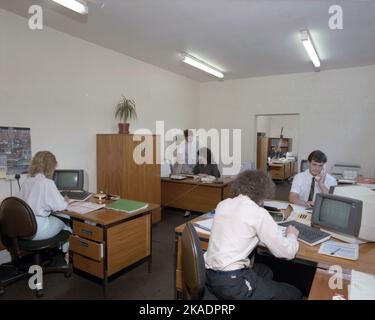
[
  {"x": 76, "y": 195},
  {"x": 309, "y": 235}
]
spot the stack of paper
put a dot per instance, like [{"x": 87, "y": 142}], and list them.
[
  {"x": 204, "y": 226},
  {"x": 84, "y": 207},
  {"x": 279, "y": 205},
  {"x": 340, "y": 250},
  {"x": 362, "y": 286}
]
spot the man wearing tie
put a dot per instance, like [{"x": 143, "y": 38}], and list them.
[{"x": 312, "y": 181}]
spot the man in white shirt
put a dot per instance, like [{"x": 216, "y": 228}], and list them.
[
  {"x": 312, "y": 181},
  {"x": 187, "y": 154},
  {"x": 240, "y": 223}
]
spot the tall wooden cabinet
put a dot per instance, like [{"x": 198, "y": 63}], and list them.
[{"x": 118, "y": 173}]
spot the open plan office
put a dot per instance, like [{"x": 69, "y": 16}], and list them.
[{"x": 187, "y": 150}]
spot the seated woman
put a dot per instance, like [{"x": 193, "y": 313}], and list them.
[
  {"x": 205, "y": 165},
  {"x": 40, "y": 193}
]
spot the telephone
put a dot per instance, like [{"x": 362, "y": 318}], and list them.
[{"x": 301, "y": 217}]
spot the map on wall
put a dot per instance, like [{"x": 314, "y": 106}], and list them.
[{"x": 15, "y": 150}]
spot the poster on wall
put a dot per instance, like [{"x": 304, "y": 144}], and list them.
[{"x": 15, "y": 150}]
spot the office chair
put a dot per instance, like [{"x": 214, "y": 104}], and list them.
[
  {"x": 17, "y": 222},
  {"x": 304, "y": 165},
  {"x": 193, "y": 267}
]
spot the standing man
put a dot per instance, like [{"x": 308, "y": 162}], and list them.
[
  {"x": 312, "y": 181},
  {"x": 186, "y": 154}
]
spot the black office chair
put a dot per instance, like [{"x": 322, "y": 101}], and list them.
[
  {"x": 17, "y": 223},
  {"x": 193, "y": 267}
]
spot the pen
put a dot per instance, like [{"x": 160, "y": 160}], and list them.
[{"x": 333, "y": 252}]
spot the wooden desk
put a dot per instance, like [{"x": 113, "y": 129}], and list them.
[
  {"x": 320, "y": 289},
  {"x": 191, "y": 195},
  {"x": 365, "y": 263},
  {"x": 106, "y": 241},
  {"x": 282, "y": 171}
]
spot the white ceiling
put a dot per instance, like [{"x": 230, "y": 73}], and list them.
[{"x": 243, "y": 38}]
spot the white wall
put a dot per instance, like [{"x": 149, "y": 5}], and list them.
[
  {"x": 263, "y": 124},
  {"x": 337, "y": 111},
  {"x": 290, "y": 125},
  {"x": 66, "y": 89}
]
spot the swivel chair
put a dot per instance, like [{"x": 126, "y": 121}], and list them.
[
  {"x": 17, "y": 224},
  {"x": 193, "y": 267}
]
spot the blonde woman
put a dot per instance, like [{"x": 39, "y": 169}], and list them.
[{"x": 41, "y": 194}]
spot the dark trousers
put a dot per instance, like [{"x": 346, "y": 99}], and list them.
[{"x": 249, "y": 284}]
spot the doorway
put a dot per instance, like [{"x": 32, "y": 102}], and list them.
[{"x": 277, "y": 139}]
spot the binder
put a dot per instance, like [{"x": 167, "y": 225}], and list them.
[{"x": 126, "y": 205}]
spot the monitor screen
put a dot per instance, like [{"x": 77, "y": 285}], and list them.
[
  {"x": 68, "y": 179},
  {"x": 336, "y": 213}
]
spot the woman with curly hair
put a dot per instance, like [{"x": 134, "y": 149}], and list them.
[
  {"x": 240, "y": 223},
  {"x": 40, "y": 193}
]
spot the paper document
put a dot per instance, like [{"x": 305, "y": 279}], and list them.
[
  {"x": 340, "y": 250},
  {"x": 297, "y": 208},
  {"x": 280, "y": 205},
  {"x": 362, "y": 286},
  {"x": 84, "y": 207},
  {"x": 204, "y": 225}
]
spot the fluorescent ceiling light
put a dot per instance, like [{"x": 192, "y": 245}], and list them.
[
  {"x": 75, "y": 5},
  {"x": 305, "y": 38},
  {"x": 201, "y": 65}
]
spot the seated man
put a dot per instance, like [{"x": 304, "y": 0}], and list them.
[
  {"x": 239, "y": 224},
  {"x": 312, "y": 181}
]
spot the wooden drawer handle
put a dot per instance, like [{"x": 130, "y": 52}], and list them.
[
  {"x": 83, "y": 244},
  {"x": 88, "y": 232}
]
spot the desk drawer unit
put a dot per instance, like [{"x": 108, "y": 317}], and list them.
[
  {"x": 87, "y": 231},
  {"x": 90, "y": 266},
  {"x": 86, "y": 247},
  {"x": 128, "y": 243},
  {"x": 277, "y": 172}
]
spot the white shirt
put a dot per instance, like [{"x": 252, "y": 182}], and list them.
[
  {"x": 41, "y": 195},
  {"x": 239, "y": 224},
  {"x": 302, "y": 184},
  {"x": 187, "y": 152}
]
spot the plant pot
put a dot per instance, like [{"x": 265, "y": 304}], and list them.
[{"x": 123, "y": 128}]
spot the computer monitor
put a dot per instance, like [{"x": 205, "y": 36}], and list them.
[
  {"x": 347, "y": 214},
  {"x": 68, "y": 179}
]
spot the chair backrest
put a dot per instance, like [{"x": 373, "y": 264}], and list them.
[
  {"x": 304, "y": 165},
  {"x": 193, "y": 267},
  {"x": 16, "y": 220}
]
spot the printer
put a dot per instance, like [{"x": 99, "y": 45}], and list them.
[{"x": 346, "y": 171}]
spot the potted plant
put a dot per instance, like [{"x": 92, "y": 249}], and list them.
[{"x": 125, "y": 111}]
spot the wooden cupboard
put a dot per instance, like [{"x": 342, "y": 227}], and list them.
[{"x": 119, "y": 173}]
